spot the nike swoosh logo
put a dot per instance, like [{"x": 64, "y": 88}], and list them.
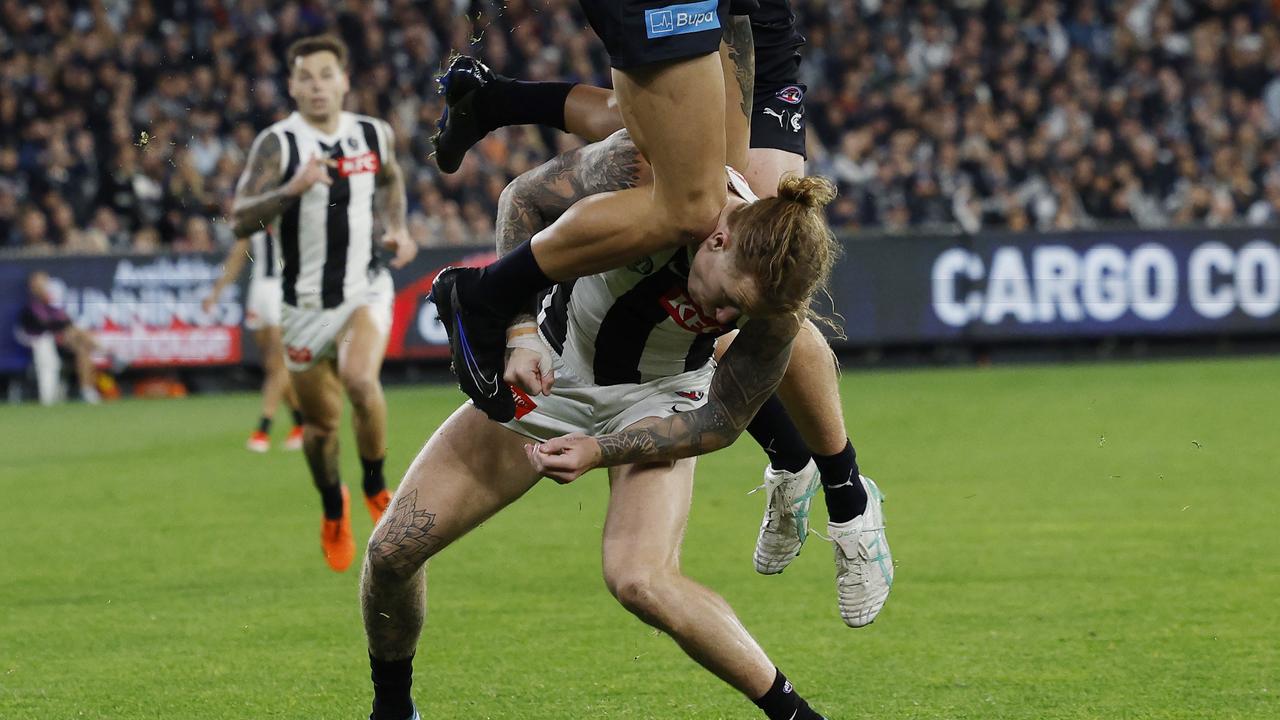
[
  {"x": 675, "y": 409},
  {"x": 488, "y": 386}
]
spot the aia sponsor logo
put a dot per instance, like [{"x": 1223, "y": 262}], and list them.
[
  {"x": 694, "y": 395},
  {"x": 359, "y": 164},
  {"x": 298, "y": 354},
  {"x": 687, "y": 314},
  {"x": 791, "y": 94},
  {"x": 524, "y": 403}
]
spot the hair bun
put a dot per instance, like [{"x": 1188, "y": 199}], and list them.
[{"x": 812, "y": 191}]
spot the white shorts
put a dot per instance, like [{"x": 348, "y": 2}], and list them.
[
  {"x": 311, "y": 335},
  {"x": 576, "y": 406},
  {"x": 262, "y": 306}
]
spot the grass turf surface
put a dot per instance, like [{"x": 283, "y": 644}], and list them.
[{"x": 1072, "y": 542}]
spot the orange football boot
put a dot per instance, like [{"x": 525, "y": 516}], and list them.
[
  {"x": 259, "y": 442},
  {"x": 335, "y": 537},
  {"x": 377, "y": 504},
  {"x": 294, "y": 441}
]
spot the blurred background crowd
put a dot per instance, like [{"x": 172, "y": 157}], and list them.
[{"x": 124, "y": 125}]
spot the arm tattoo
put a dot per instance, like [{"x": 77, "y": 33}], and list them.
[
  {"x": 742, "y": 53},
  {"x": 747, "y": 375},
  {"x": 391, "y": 183},
  {"x": 260, "y": 195},
  {"x": 535, "y": 199}
]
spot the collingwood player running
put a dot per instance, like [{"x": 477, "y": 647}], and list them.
[{"x": 313, "y": 178}]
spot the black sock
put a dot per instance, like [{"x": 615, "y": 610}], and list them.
[
  {"x": 297, "y": 418},
  {"x": 374, "y": 482},
  {"x": 331, "y": 498},
  {"x": 782, "y": 702},
  {"x": 264, "y": 424},
  {"x": 509, "y": 283},
  {"x": 846, "y": 498},
  {"x": 392, "y": 682},
  {"x": 506, "y": 102},
  {"x": 778, "y": 436}
]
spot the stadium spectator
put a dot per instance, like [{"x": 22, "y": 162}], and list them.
[
  {"x": 975, "y": 114},
  {"x": 41, "y": 316}
]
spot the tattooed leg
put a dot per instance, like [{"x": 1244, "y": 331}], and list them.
[{"x": 470, "y": 469}]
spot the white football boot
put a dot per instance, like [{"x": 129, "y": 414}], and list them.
[
  {"x": 864, "y": 567},
  {"x": 786, "y": 517}
]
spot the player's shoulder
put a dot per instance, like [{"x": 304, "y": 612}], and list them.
[
  {"x": 271, "y": 133},
  {"x": 288, "y": 122}
]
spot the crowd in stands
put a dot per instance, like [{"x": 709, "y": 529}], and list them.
[{"x": 124, "y": 125}]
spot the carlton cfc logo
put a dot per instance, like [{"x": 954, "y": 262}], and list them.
[{"x": 791, "y": 95}]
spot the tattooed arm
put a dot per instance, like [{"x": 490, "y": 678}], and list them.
[
  {"x": 741, "y": 47},
  {"x": 535, "y": 199},
  {"x": 737, "y": 58},
  {"x": 747, "y": 375},
  {"x": 391, "y": 200},
  {"x": 260, "y": 197},
  {"x": 390, "y": 182}
]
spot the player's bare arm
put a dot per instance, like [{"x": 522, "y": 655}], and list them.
[
  {"x": 742, "y": 382},
  {"x": 231, "y": 269},
  {"x": 260, "y": 195},
  {"x": 537, "y": 198},
  {"x": 742, "y": 55},
  {"x": 394, "y": 207},
  {"x": 737, "y": 57}
]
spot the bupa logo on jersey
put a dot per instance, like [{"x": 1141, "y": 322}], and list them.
[
  {"x": 681, "y": 19},
  {"x": 359, "y": 164},
  {"x": 687, "y": 314}
]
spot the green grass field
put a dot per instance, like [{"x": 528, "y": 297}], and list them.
[{"x": 1096, "y": 541}]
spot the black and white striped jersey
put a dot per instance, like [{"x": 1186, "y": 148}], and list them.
[
  {"x": 326, "y": 238},
  {"x": 264, "y": 253},
  {"x": 633, "y": 324}
]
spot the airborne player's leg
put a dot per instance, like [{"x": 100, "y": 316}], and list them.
[{"x": 657, "y": 70}]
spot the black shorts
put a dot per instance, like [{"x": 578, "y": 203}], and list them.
[
  {"x": 777, "y": 118},
  {"x": 641, "y": 32}
]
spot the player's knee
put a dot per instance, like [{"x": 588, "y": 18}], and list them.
[
  {"x": 393, "y": 562},
  {"x": 696, "y": 213},
  {"x": 639, "y": 590},
  {"x": 360, "y": 388},
  {"x": 317, "y": 429}
]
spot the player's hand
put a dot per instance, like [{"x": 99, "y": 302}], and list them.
[
  {"x": 399, "y": 242},
  {"x": 566, "y": 458},
  {"x": 528, "y": 364},
  {"x": 315, "y": 171},
  {"x": 526, "y": 370},
  {"x": 208, "y": 303}
]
